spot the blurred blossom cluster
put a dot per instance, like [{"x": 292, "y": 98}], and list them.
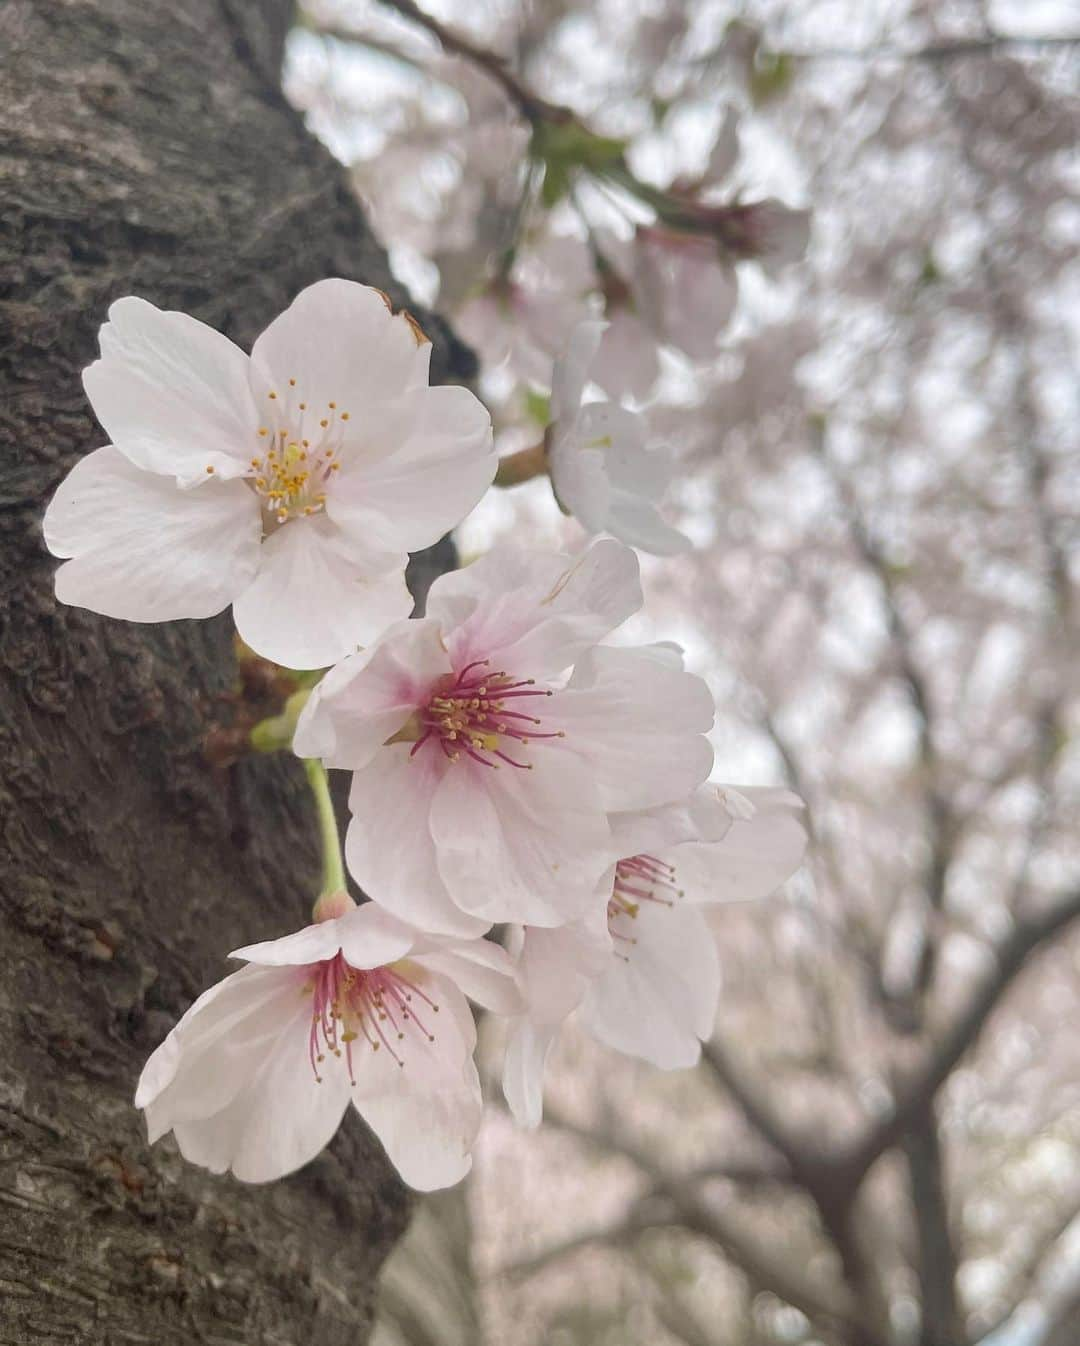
[{"x": 871, "y": 413}]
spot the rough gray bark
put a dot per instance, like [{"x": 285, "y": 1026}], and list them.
[{"x": 145, "y": 148}]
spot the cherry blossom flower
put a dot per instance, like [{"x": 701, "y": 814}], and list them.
[
  {"x": 291, "y": 484},
  {"x": 257, "y": 1075},
  {"x": 483, "y": 776},
  {"x": 768, "y": 231},
  {"x": 677, "y": 284},
  {"x": 600, "y": 468},
  {"x": 642, "y": 969}
]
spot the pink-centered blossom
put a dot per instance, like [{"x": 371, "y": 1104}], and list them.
[
  {"x": 291, "y": 483},
  {"x": 642, "y": 969},
  {"x": 600, "y": 466},
  {"x": 361, "y": 1009},
  {"x": 490, "y": 740}
]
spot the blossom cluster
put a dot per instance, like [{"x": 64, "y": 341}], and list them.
[{"x": 512, "y": 770}]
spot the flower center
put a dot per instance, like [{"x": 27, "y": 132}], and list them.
[
  {"x": 641, "y": 878},
  {"x": 474, "y": 712},
  {"x": 299, "y": 453},
  {"x": 376, "y": 1004}
]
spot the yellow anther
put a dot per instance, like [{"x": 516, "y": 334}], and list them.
[
  {"x": 344, "y": 415},
  {"x": 272, "y": 396},
  {"x": 324, "y": 424},
  {"x": 292, "y": 383},
  {"x": 263, "y": 430},
  {"x": 332, "y": 405},
  {"x": 209, "y": 469}
]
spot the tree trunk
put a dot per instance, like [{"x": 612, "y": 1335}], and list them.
[{"x": 146, "y": 148}]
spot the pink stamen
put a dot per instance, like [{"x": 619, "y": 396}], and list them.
[
  {"x": 466, "y": 714},
  {"x": 349, "y": 1002},
  {"x": 639, "y": 878}
]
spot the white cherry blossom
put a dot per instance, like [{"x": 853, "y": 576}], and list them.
[
  {"x": 361, "y": 1008},
  {"x": 601, "y": 470},
  {"x": 642, "y": 970},
  {"x": 291, "y": 483},
  {"x": 678, "y": 285},
  {"x": 483, "y": 775}
]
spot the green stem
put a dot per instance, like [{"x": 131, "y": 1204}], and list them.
[{"x": 333, "y": 872}]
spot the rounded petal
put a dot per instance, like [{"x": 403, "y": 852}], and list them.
[
  {"x": 580, "y": 481},
  {"x": 638, "y": 723},
  {"x": 389, "y": 847},
  {"x": 280, "y": 1121},
  {"x": 527, "y": 1047},
  {"x": 481, "y": 969},
  {"x": 755, "y": 856},
  {"x": 172, "y": 393},
  {"x": 426, "y": 1112},
  {"x": 658, "y": 1001},
  {"x": 317, "y": 596},
  {"x": 534, "y": 613},
  {"x": 340, "y": 342},
  {"x": 639, "y": 523},
  {"x": 700, "y": 816},
  {"x": 365, "y": 699},
  {"x": 627, "y": 362},
  {"x": 234, "y": 1082},
  {"x": 367, "y": 935},
  {"x": 631, "y": 466},
  {"x": 230, "y": 1008},
  {"x": 557, "y": 966},
  {"x": 571, "y": 371},
  {"x": 410, "y": 497},
  {"x": 145, "y": 550},
  {"x": 525, "y": 846}
]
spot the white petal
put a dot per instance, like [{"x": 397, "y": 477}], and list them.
[
  {"x": 234, "y": 1082},
  {"x": 367, "y": 935},
  {"x": 145, "y": 550},
  {"x": 534, "y": 613},
  {"x": 427, "y": 1112},
  {"x": 481, "y": 969},
  {"x": 389, "y": 848},
  {"x": 280, "y": 1121},
  {"x": 172, "y": 393},
  {"x": 580, "y": 481},
  {"x": 571, "y": 371},
  {"x": 725, "y": 150},
  {"x": 365, "y": 700},
  {"x": 658, "y": 1001},
  {"x": 237, "y": 1000},
  {"x": 638, "y": 523},
  {"x": 341, "y": 344},
  {"x": 412, "y": 496},
  {"x": 701, "y": 816},
  {"x": 627, "y": 363},
  {"x": 558, "y": 965},
  {"x": 755, "y": 856},
  {"x": 527, "y": 1047},
  {"x": 317, "y": 596},
  {"x": 630, "y": 465},
  {"x": 638, "y": 724},
  {"x": 525, "y": 846}
]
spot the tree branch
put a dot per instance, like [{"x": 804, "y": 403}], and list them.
[
  {"x": 533, "y": 108},
  {"x": 917, "y": 1089}
]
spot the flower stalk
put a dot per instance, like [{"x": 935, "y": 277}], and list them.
[
  {"x": 333, "y": 868},
  {"x": 522, "y": 466}
]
